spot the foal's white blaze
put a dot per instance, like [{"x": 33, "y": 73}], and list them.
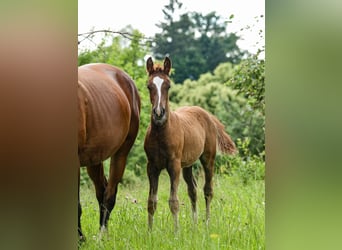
[{"x": 158, "y": 82}]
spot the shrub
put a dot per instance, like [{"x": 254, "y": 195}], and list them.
[{"x": 244, "y": 166}]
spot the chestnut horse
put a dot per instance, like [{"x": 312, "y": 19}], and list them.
[
  {"x": 175, "y": 140},
  {"x": 108, "y": 123}
]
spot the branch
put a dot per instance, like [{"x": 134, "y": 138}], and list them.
[{"x": 127, "y": 35}]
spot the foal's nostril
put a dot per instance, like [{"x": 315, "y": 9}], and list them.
[
  {"x": 155, "y": 112},
  {"x": 158, "y": 112}
]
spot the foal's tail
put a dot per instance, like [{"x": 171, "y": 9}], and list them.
[{"x": 225, "y": 143}]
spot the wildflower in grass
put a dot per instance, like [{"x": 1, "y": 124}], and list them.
[{"x": 214, "y": 236}]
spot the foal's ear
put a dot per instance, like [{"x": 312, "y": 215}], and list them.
[
  {"x": 149, "y": 66},
  {"x": 167, "y": 65}
]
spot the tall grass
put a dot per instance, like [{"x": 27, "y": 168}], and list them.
[{"x": 237, "y": 217}]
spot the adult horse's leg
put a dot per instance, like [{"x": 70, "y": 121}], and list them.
[
  {"x": 153, "y": 177},
  {"x": 208, "y": 165},
  {"x": 191, "y": 183},
  {"x": 80, "y": 234},
  {"x": 174, "y": 169},
  {"x": 117, "y": 167},
  {"x": 116, "y": 171},
  {"x": 96, "y": 174}
]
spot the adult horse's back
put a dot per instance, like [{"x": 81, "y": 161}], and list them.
[{"x": 108, "y": 123}]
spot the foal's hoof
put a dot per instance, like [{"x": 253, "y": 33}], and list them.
[
  {"x": 81, "y": 239},
  {"x": 103, "y": 232},
  {"x": 103, "y": 229}
]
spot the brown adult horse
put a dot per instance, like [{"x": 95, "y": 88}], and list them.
[
  {"x": 175, "y": 140},
  {"x": 108, "y": 123}
]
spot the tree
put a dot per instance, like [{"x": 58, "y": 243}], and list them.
[
  {"x": 249, "y": 77},
  {"x": 216, "y": 45},
  {"x": 249, "y": 80},
  {"x": 196, "y": 43}
]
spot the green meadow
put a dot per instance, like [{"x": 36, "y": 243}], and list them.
[{"x": 237, "y": 217}]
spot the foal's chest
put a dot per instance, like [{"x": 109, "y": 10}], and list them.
[{"x": 160, "y": 150}]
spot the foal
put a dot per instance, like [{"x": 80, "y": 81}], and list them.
[{"x": 175, "y": 140}]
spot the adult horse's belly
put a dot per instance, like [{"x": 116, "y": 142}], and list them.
[
  {"x": 104, "y": 117},
  {"x": 102, "y": 142}
]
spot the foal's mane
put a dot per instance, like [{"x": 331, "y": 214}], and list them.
[{"x": 158, "y": 68}]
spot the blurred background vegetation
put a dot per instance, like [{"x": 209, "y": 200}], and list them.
[{"x": 209, "y": 70}]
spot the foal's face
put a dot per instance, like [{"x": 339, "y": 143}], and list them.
[{"x": 158, "y": 86}]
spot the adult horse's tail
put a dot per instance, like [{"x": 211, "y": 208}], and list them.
[{"x": 225, "y": 143}]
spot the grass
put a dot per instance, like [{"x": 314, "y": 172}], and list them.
[{"x": 237, "y": 217}]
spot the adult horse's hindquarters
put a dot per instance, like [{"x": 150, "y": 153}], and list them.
[{"x": 108, "y": 123}]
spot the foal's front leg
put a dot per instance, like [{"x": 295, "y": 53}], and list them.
[
  {"x": 153, "y": 176},
  {"x": 174, "y": 169}
]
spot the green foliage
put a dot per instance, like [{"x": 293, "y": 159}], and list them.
[
  {"x": 118, "y": 51},
  {"x": 249, "y": 80},
  {"x": 197, "y": 43},
  {"x": 84, "y": 177},
  {"x": 246, "y": 167}
]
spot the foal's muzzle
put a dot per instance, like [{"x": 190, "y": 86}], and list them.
[
  {"x": 158, "y": 113},
  {"x": 159, "y": 116}
]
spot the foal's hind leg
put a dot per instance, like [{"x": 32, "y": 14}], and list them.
[
  {"x": 191, "y": 183},
  {"x": 208, "y": 165},
  {"x": 96, "y": 174}
]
